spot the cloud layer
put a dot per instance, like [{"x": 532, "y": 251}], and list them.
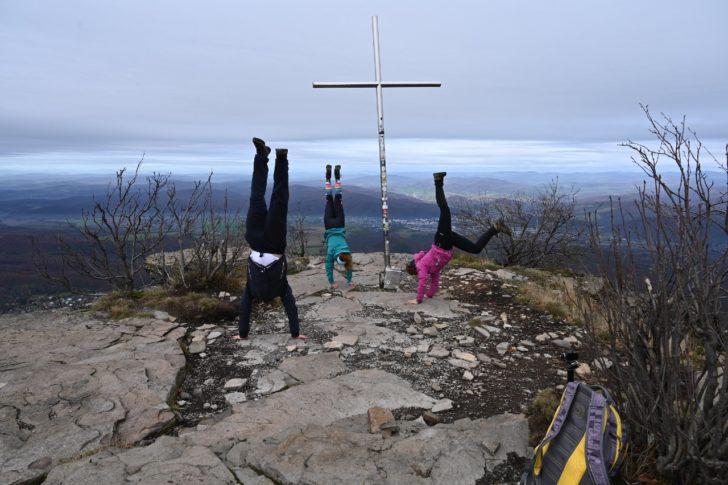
[{"x": 82, "y": 78}]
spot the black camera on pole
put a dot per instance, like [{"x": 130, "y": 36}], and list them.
[{"x": 570, "y": 358}]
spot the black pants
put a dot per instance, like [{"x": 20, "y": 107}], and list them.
[
  {"x": 266, "y": 228},
  {"x": 446, "y": 238},
  {"x": 334, "y": 212}
]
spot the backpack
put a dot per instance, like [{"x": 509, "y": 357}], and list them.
[{"x": 585, "y": 443}]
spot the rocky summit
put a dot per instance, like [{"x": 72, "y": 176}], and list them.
[{"x": 381, "y": 392}]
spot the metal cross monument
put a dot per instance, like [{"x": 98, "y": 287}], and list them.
[{"x": 390, "y": 277}]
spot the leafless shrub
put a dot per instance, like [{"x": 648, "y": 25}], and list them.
[
  {"x": 667, "y": 325},
  {"x": 123, "y": 228},
  {"x": 298, "y": 243},
  {"x": 218, "y": 247},
  {"x": 134, "y": 235},
  {"x": 543, "y": 225},
  {"x": 184, "y": 215},
  {"x": 209, "y": 240}
]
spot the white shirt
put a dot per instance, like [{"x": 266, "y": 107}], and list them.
[{"x": 264, "y": 259}]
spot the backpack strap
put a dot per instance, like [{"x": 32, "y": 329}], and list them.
[
  {"x": 594, "y": 439},
  {"x": 566, "y": 400},
  {"x": 617, "y": 434},
  {"x": 603, "y": 390}
]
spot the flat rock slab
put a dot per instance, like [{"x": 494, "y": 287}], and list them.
[
  {"x": 165, "y": 461},
  {"x": 319, "y": 402},
  {"x": 397, "y": 302},
  {"x": 273, "y": 381},
  {"x": 334, "y": 308},
  {"x": 267, "y": 343},
  {"x": 190, "y": 459},
  {"x": 368, "y": 333},
  {"x": 308, "y": 282},
  {"x": 460, "y": 452},
  {"x": 312, "y": 367},
  {"x": 74, "y": 383}
]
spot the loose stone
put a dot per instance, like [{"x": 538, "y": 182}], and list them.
[
  {"x": 442, "y": 405},
  {"x": 430, "y": 331},
  {"x": 333, "y": 345},
  {"x": 482, "y": 331},
  {"x": 234, "y": 384},
  {"x": 458, "y": 354},
  {"x": 235, "y": 397},
  {"x": 502, "y": 347}
]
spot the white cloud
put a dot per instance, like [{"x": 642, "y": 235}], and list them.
[{"x": 84, "y": 76}]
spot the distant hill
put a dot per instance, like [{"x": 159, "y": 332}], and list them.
[
  {"x": 360, "y": 202},
  {"x": 45, "y": 205},
  {"x": 421, "y": 186},
  {"x": 410, "y": 195}
]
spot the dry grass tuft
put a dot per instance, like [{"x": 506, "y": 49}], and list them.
[
  {"x": 462, "y": 260},
  {"x": 540, "y": 413},
  {"x": 187, "y": 307}
]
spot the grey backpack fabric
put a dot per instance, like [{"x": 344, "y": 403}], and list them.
[{"x": 585, "y": 443}]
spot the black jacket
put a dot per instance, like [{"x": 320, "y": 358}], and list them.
[
  {"x": 267, "y": 282},
  {"x": 264, "y": 284}
]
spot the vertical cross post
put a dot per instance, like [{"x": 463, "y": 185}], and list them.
[{"x": 378, "y": 85}]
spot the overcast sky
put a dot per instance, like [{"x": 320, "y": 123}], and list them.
[{"x": 528, "y": 84}]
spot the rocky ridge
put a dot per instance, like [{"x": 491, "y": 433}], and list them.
[{"x": 382, "y": 391}]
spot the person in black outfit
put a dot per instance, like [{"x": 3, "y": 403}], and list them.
[{"x": 266, "y": 230}]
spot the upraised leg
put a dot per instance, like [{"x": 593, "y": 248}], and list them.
[
  {"x": 276, "y": 223},
  {"x": 257, "y": 210}
]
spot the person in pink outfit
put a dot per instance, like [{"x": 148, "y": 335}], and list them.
[{"x": 429, "y": 264}]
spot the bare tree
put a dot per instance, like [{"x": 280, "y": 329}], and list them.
[
  {"x": 297, "y": 234},
  {"x": 543, "y": 225},
  {"x": 183, "y": 215},
  {"x": 665, "y": 267},
  {"x": 122, "y": 229},
  {"x": 220, "y": 241}
]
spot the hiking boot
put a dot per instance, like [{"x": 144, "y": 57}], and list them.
[
  {"x": 501, "y": 226},
  {"x": 337, "y": 172},
  {"x": 439, "y": 177},
  {"x": 260, "y": 147},
  {"x": 328, "y": 173},
  {"x": 282, "y": 153}
]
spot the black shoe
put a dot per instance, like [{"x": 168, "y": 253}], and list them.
[
  {"x": 328, "y": 173},
  {"x": 282, "y": 153},
  {"x": 337, "y": 172},
  {"x": 439, "y": 176},
  {"x": 501, "y": 226},
  {"x": 260, "y": 147}
]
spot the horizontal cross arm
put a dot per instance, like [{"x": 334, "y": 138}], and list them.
[{"x": 375, "y": 84}]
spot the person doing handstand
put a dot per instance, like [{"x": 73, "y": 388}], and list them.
[
  {"x": 266, "y": 230},
  {"x": 334, "y": 222},
  {"x": 429, "y": 264}
]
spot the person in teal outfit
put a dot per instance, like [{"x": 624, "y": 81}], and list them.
[{"x": 338, "y": 251}]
